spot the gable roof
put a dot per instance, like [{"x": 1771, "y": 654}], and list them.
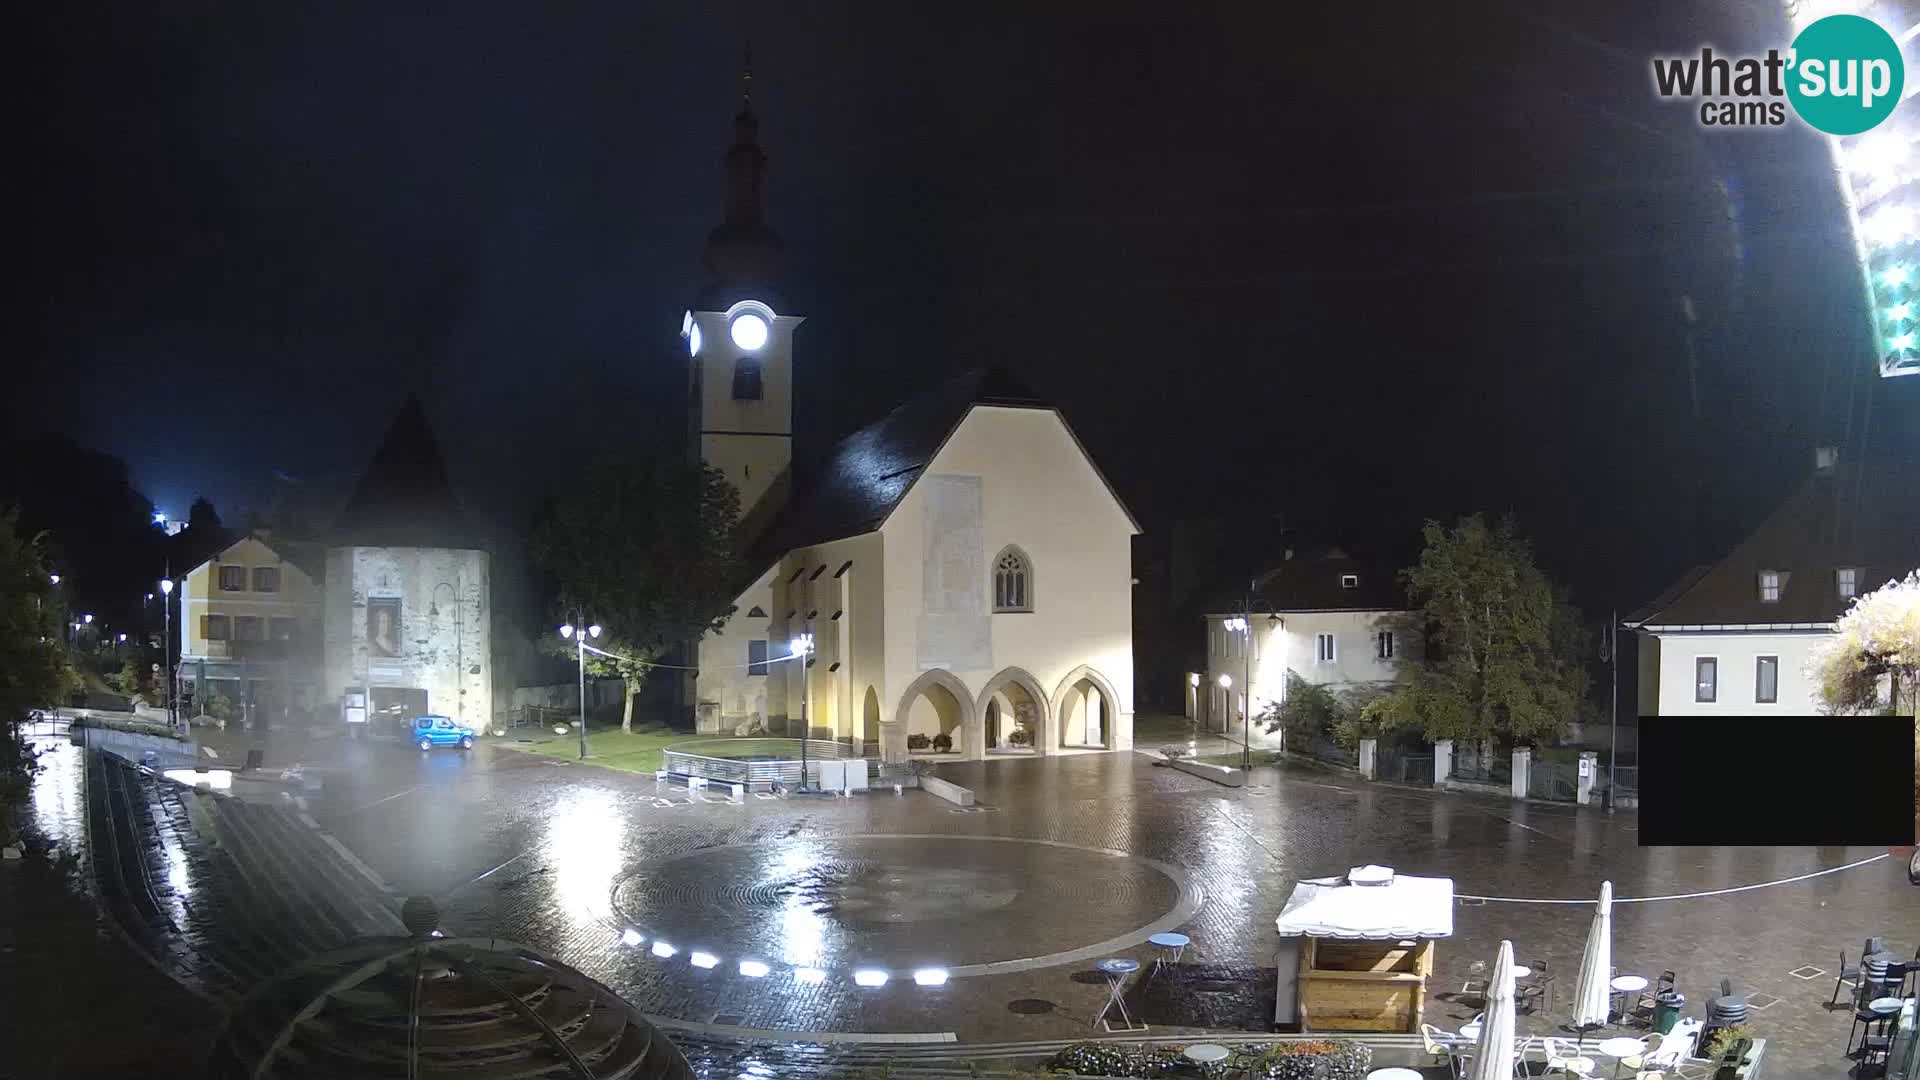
[
  {"x": 1863, "y": 516},
  {"x": 1313, "y": 583},
  {"x": 281, "y": 550},
  {"x": 405, "y": 499},
  {"x": 867, "y": 473}
]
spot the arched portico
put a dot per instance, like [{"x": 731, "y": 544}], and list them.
[
  {"x": 1085, "y": 709},
  {"x": 1013, "y": 701},
  {"x": 869, "y": 719},
  {"x": 937, "y": 703}
]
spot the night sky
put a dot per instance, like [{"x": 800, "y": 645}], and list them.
[{"x": 1350, "y": 267}]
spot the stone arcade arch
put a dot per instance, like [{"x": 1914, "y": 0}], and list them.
[
  {"x": 1002, "y": 701},
  {"x": 1083, "y": 695},
  {"x": 937, "y": 702}
]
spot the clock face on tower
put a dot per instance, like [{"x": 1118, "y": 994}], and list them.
[{"x": 748, "y": 330}]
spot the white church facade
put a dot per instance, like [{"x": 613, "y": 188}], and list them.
[{"x": 960, "y": 567}]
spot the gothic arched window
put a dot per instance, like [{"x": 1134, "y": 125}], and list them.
[{"x": 1012, "y": 580}]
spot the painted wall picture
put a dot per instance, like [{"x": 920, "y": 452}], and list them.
[{"x": 383, "y": 627}]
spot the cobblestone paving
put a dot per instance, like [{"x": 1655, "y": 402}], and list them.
[{"x": 557, "y": 855}]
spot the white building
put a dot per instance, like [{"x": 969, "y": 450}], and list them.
[
  {"x": 1326, "y": 618},
  {"x": 406, "y": 601},
  {"x": 1733, "y": 639},
  {"x": 962, "y": 566}
]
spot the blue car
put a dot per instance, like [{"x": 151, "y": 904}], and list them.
[{"x": 431, "y": 730}]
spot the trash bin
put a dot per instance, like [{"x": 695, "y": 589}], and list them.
[{"x": 1666, "y": 1011}]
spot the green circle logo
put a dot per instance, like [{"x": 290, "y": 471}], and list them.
[{"x": 1847, "y": 74}]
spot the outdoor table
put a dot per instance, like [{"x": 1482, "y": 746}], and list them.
[
  {"x": 1395, "y": 1073},
  {"x": 1620, "y": 1048},
  {"x": 1170, "y": 947},
  {"x": 1470, "y": 1032},
  {"x": 1625, "y": 986},
  {"x": 1116, "y": 969},
  {"x": 1205, "y": 1053}
]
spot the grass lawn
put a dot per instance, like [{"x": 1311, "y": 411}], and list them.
[{"x": 636, "y": 751}]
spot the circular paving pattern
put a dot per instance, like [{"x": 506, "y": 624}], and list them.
[{"x": 972, "y": 905}]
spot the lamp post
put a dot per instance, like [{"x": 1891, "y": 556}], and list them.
[
  {"x": 802, "y": 646},
  {"x": 166, "y": 643},
  {"x": 579, "y": 635},
  {"x": 1612, "y": 648}
]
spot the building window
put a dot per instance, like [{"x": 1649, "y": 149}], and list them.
[
  {"x": 280, "y": 629},
  {"x": 756, "y": 658},
  {"x": 1766, "y": 679},
  {"x": 1847, "y": 581},
  {"x": 1706, "y": 678},
  {"x": 1349, "y": 581},
  {"x": 1012, "y": 581},
  {"x": 216, "y": 628},
  {"x": 1770, "y": 586},
  {"x": 233, "y": 579},
  {"x": 746, "y": 379},
  {"x": 266, "y": 579},
  {"x": 248, "y": 628},
  {"x": 1384, "y": 641},
  {"x": 1323, "y": 650}
]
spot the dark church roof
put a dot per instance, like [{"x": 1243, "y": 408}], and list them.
[
  {"x": 405, "y": 498},
  {"x": 869, "y": 472},
  {"x": 1864, "y": 517}
]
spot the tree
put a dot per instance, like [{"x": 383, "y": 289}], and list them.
[
  {"x": 648, "y": 550},
  {"x": 33, "y": 662},
  {"x": 1876, "y": 643},
  {"x": 1505, "y": 648}
]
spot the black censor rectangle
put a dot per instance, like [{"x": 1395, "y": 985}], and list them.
[{"x": 1777, "y": 781}]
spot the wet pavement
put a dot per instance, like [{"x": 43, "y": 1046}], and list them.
[{"x": 1068, "y": 858}]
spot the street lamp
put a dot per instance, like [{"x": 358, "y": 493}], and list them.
[
  {"x": 801, "y": 647},
  {"x": 166, "y": 642},
  {"x": 579, "y": 636},
  {"x": 54, "y": 578}
]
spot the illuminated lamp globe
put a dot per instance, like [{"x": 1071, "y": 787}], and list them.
[
  {"x": 594, "y": 631},
  {"x": 693, "y": 339},
  {"x": 166, "y": 586},
  {"x": 749, "y": 331},
  {"x": 1226, "y": 682},
  {"x": 567, "y": 632}
]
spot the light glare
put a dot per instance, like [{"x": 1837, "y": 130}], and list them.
[
  {"x": 753, "y": 969},
  {"x": 703, "y": 959},
  {"x": 1226, "y": 682},
  {"x": 663, "y": 950},
  {"x": 930, "y": 977},
  {"x": 567, "y": 632},
  {"x": 630, "y": 936}
]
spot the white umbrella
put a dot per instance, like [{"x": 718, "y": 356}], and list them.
[
  {"x": 1493, "y": 1055},
  {"x": 1593, "y": 996}
]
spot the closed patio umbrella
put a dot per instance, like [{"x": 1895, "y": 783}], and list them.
[
  {"x": 1493, "y": 1055},
  {"x": 1593, "y": 996}
]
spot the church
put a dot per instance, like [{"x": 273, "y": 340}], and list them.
[{"x": 954, "y": 582}]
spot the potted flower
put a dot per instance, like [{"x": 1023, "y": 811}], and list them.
[
  {"x": 1728, "y": 1050},
  {"x": 916, "y": 741},
  {"x": 1020, "y": 737},
  {"x": 942, "y": 743}
]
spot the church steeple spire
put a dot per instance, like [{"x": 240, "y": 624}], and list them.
[{"x": 743, "y": 249}]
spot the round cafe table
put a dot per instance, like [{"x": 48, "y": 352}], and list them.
[
  {"x": 1620, "y": 1048},
  {"x": 1470, "y": 1032},
  {"x": 1395, "y": 1073},
  {"x": 1116, "y": 969},
  {"x": 1205, "y": 1053},
  {"x": 1625, "y": 986}
]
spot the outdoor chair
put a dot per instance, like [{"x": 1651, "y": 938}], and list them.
[
  {"x": 1848, "y": 974},
  {"x": 1643, "y": 1008},
  {"x": 1561, "y": 1054},
  {"x": 1536, "y": 994},
  {"x": 1667, "y": 1051},
  {"x": 1476, "y": 973},
  {"x": 1441, "y": 1044}
]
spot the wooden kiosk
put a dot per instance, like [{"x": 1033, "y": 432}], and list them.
[{"x": 1356, "y": 951}]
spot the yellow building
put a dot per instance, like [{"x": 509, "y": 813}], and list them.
[{"x": 250, "y": 631}]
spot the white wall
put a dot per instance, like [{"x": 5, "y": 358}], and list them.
[
  {"x": 1737, "y": 654},
  {"x": 1038, "y": 492},
  {"x": 1290, "y": 646},
  {"x": 448, "y": 654}
]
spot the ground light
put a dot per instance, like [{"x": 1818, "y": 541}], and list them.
[
  {"x": 703, "y": 960},
  {"x": 870, "y": 977},
  {"x": 753, "y": 969},
  {"x": 930, "y": 977},
  {"x": 630, "y": 936},
  {"x": 663, "y": 950}
]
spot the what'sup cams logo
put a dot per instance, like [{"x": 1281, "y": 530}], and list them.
[{"x": 1843, "y": 75}]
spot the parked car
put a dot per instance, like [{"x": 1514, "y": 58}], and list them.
[{"x": 431, "y": 730}]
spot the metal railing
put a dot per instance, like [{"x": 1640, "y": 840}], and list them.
[
  {"x": 1403, "y": 768},
  {"x": 1553, "y": 781},
  {"x": 780, "y": 763}
]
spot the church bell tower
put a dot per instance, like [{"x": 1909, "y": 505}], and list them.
[{"x": 740, "y": 407}]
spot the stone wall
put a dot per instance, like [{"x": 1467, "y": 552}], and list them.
[{"x": 411, "y": 617}]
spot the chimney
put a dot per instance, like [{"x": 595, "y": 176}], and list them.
[{"x": 1825, "y": 458}]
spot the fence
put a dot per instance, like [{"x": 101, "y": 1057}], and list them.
[
  {"x": 747, "y": 761},
  {"x": 1554, "y": 781},
  {"x": 1470, "y": 764},
  {"x": 1403, "y": 766}
]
